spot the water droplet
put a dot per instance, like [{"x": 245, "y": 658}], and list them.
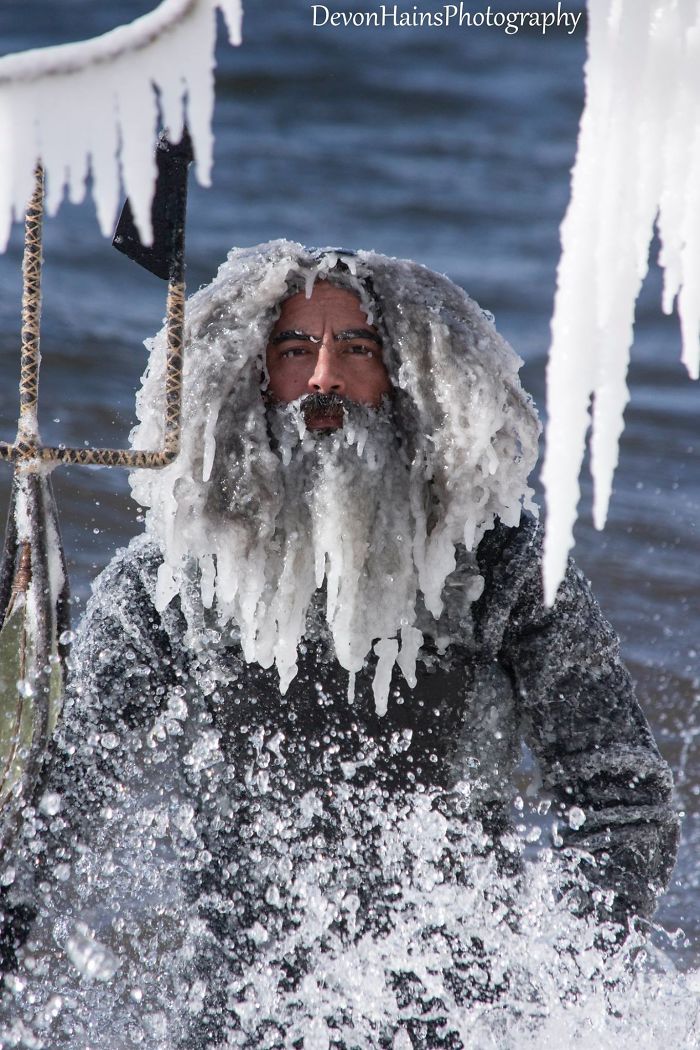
[
  {"x": 66, "y": 637},
  {"x": 576, "y": 817},
  {"x": 90, "y": 958},
  {"x": 25, "y": 688},
  {"x": 109, "y": 741},
  {"x": 258, "y": 933},
  {"x": 50, "y": 804},
  {"x": 53, "y": 1007},
  {"x": 273, "y": 896}
]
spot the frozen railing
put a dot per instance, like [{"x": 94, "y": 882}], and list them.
[{"x": 95, "y": 106}]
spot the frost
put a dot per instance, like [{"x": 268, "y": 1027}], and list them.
[
  {"x": 273, "y": 537},
  {"x": 92, "y": 107},
  {"x": 638, "y": 161}
]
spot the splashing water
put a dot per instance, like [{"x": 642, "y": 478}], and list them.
[{"x": 334, "y": 918}]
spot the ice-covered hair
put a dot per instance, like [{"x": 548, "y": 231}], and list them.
[{"x": 467, "y": 427}]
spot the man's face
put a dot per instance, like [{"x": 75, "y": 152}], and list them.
[{"x": 324, "y": 345}]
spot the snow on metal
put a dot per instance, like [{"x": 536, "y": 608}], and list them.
[
  {"x": 95, "y": 106},
  {"x": 638, "y": 162}
]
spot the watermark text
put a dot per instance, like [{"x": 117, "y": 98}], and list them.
[{"x": 455, "y": 15}]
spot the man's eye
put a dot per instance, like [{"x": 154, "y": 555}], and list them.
[
  {"x": 295, "y": 351},
  {"x": 362, "y": 349}
]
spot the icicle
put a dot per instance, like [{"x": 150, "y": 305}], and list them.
[
  {"x": 167, "y": 587},
  {"x": 638, "y": 152},
  {"x": 274, "y": 537},
  {"x": 387, "y": 650},
  {"x": 208, "y": 579},
  {"x": 411, "y": 641},
  {"x": 93, "y": 106}
]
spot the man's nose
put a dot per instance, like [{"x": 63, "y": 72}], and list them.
[{"x": 327, "y": 377}]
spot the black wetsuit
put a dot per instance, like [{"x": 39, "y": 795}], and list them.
[{"x": 552, "y": 678}]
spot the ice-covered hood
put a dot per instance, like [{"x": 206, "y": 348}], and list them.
[{"x": 468, "y": 433}]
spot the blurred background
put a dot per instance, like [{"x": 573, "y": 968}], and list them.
[{"x": 450, "y": 146}]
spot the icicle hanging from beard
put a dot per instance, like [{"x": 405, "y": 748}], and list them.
[
  {"x": 241, "y": 535},
  {"x": 338, "y": 511}
]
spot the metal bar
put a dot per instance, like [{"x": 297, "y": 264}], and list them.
[
  {"x": 9, "y": 555},
  {"x": 27, "y": 449},
  {"x": 42, "y": 626},
  {"x": 27, "y": 429},
  {"x": 88, "y": 457},
  {"x": 174, "y": 362}
]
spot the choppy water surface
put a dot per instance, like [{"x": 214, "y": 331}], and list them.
[{"x": 454, "y": 149}]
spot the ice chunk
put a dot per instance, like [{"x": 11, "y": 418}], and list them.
[
  {"x": 50, "y": 803},
  {"x": 577, "y": 818}
]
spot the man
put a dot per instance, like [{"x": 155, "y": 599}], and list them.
[{"x": 317, "y": 668}]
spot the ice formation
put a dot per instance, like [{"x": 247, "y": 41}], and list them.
[
  {"x": 638, "y": 162},
  {"x": 254, "y": 533},
  {"x": 95, "y": 106}
]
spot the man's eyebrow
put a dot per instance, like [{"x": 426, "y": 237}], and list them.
[
  {"x": 292, "y": 333},
  {"x": 339, "y": 337},
  {"x": 357, "y": 333}
]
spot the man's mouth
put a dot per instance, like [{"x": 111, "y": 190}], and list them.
[{"x": 323, "y": 411}]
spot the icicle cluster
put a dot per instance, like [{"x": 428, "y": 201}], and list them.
[
  {"x": 638, "y": 161},
  {"x": 378, "y": 512},
  {"x": 93, "y": 107}
]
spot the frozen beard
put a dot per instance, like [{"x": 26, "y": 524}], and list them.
[
  {"x": 343, "y": 518},
  {"x": 251, "y": 526}
]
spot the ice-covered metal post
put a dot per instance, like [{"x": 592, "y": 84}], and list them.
[{"x": 34, "y": 620}]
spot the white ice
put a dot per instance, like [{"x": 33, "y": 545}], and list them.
[
  {"x": 638, "y": 163},
  {"x": 241, "y": 534},
  {"x": 92, "y": 106}
]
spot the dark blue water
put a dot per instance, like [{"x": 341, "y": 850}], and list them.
[{"x": 452, "y": 147}]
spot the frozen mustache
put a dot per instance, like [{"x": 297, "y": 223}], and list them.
[{"x": 314, "y": 404}]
